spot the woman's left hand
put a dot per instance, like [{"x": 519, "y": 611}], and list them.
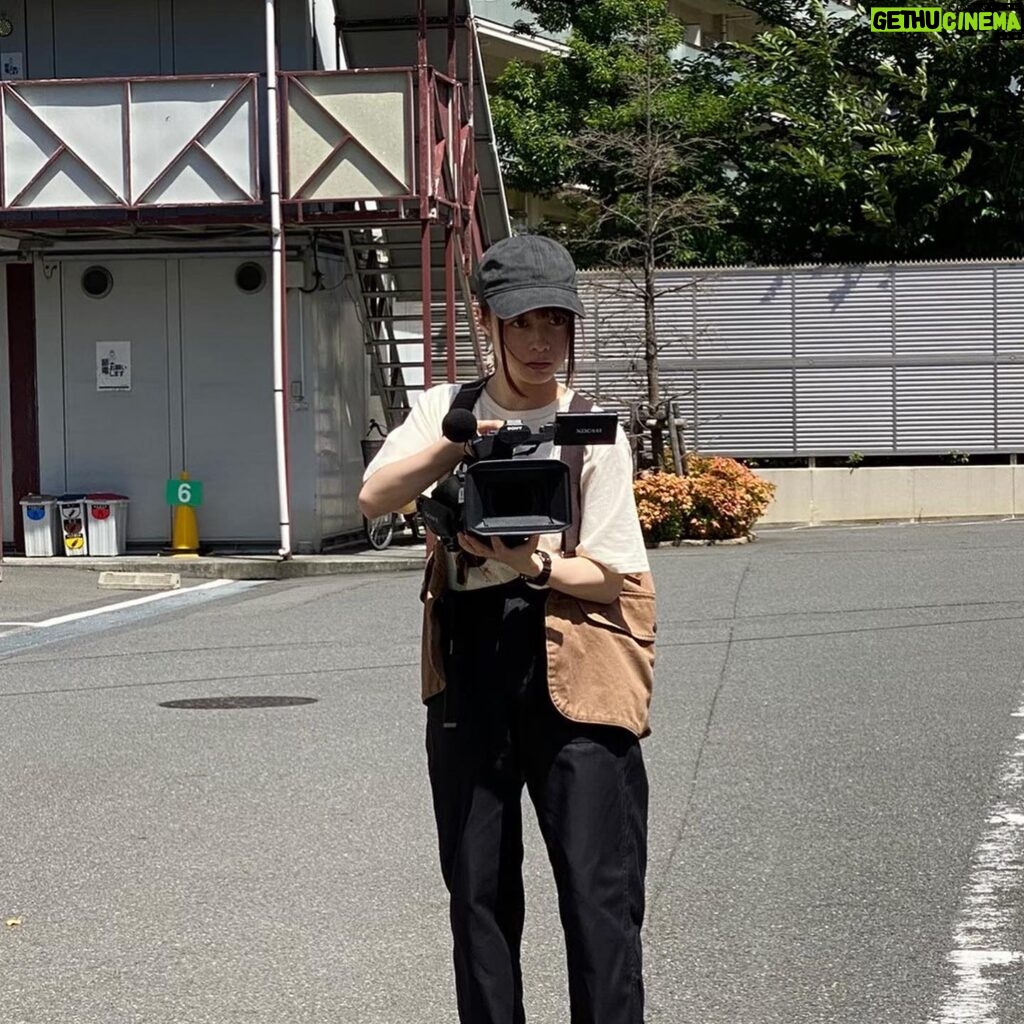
[{"x": 519, "y": 558}]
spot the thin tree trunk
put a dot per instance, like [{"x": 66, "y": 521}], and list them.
[
  {"x": 651, "y": 359},
  {"x": 650, "y": 267}
]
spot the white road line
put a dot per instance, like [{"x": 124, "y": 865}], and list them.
[
  {"x": 983, "y": 937},
  {"x": 163, "y": 595}
]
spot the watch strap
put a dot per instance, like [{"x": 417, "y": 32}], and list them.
[{"x": 541, "y": 580}]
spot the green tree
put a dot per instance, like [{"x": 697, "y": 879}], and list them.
[
  {"x": 820, "y": 140},
  {"x": 572, "y": 127},
  {"x": 974, "y": 100},
  {"x": 895, "y": 145},
  {"x": 836, "y": 159}
]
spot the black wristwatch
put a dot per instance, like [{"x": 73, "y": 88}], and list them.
[{"x": 539, "y": 581}]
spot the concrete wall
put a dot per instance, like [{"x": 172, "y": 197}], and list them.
[{"x": 894, "y": 493}]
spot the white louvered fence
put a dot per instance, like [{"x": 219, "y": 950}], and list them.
[{"x": 805, "y": 361}]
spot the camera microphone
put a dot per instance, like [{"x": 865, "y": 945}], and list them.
[{"x": 459, "y": 425}]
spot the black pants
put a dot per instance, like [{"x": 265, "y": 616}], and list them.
[{"x": 589, "y": 788}]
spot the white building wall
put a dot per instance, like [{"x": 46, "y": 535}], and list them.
[
  {"x": 301, "y": 463},
  {"x": 227, "y": 386},
  {"x": 119, "y": 440}
]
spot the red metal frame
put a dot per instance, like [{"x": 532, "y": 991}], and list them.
[{"x": 426, "y": 176}]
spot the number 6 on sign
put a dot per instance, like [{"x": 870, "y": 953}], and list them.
[{"x": 185, "y": 492}]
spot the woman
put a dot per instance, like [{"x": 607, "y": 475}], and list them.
[{"x": 536, "y": 670}]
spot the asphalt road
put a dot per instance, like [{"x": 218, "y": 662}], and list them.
[{"x": 837, "y": 826}]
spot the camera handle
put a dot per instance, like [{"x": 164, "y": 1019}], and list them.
[{"x": 507, "y": 442}]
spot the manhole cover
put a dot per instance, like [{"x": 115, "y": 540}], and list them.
[{"x": 235, "y": 703}]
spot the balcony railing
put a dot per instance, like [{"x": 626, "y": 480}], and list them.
[
  {"x": 382, "y": 141},
  {"x": 127, "y": 143}
]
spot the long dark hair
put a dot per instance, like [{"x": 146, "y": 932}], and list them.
[{"x": 570, "y": 354}]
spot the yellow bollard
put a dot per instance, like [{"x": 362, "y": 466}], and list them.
[{"x": 184, "y": 530}]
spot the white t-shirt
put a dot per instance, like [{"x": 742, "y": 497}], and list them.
[{"x": 609, "y": 528}]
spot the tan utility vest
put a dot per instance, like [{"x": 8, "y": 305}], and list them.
[{"x": 600, "y": 656}]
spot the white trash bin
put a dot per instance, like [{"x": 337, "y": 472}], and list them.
[
  {"x": 39, "y": 519},
  {"x": 108, "y": 523}
]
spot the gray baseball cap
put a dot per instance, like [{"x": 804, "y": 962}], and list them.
[{"x": 527, "y": 272}]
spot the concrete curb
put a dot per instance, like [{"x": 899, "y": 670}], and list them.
[
  {"x": 140, "y": 580},
  {"x": 748, "y": 538},
  {"x": 241, "y": 567}
]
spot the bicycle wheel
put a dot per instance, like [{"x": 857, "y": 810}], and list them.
[{"x": 380, "y": 530}]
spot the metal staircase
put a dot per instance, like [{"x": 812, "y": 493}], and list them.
[{"x": 408, "y": 350}]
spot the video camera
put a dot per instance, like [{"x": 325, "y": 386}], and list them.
[{"x": 497, "y": 491}]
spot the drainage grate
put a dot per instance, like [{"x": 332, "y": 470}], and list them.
[{"x": 235, "y": 703}]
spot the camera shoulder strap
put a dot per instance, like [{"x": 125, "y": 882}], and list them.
[
  {"x": 468, "y": 394},
  {"x": 572, "y": 456}
]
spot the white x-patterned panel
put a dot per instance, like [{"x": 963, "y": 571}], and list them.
[
  {"x": 87, "y": 118},
  {"x": 83, "y": 124},
  {"x": 173, "y": 122},
  {"x": 349, "y": 136},
  {"x": 123, "y": 143}
]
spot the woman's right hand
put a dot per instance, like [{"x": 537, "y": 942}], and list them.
[{"x": 483, "y": 428}]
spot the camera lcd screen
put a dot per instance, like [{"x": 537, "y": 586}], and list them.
[
  {"x": 585, "y": 428},
  {"x": 517, "y": 496}
]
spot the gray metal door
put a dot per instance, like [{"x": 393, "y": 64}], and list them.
[
  {"x": 117, "y": 440},
  {"x": 227, "y": 383}
]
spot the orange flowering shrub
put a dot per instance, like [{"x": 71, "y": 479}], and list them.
[
  {"x": 726, "y": 498},
  {"x": 662, "y": 501},
  {"x": 718, "y": 500}
]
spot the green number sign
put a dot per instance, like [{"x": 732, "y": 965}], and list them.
[{"x": 184, "y": 492}]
